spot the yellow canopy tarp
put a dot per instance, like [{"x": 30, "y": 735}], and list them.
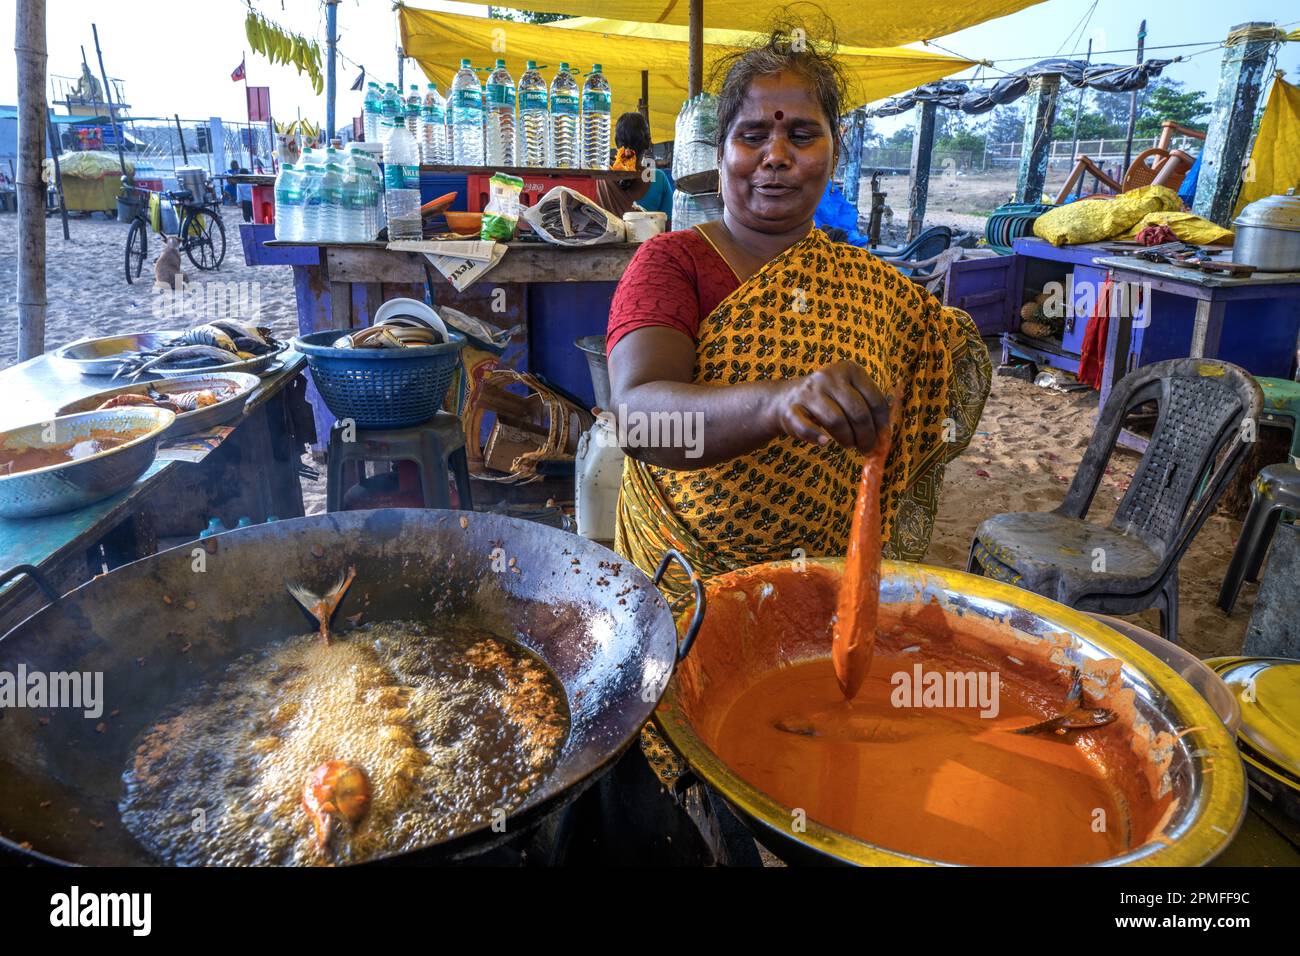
[
  {"x": 870, "y": 23},
  {"x": 1275, "y": 159},
  {"x": 438, "y": 41}
]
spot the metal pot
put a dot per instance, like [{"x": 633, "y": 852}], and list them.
[
  {"x": 1204, "y": 773},
  {"x": 154, "y": 627},
  {"x": 1268, "y": 234}
]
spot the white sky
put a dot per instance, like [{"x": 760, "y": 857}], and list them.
[{"x": 175, "y": 56}]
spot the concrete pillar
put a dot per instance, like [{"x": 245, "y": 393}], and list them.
[
  {"x": 922, "y": 146},
  {"x": 1241, "y": 78},
  {"x": 1040, "y": 114}
]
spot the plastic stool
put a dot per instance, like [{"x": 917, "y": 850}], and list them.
[
  {"x": 430, "y": 445},
  {"x": 1275, "y": 489},
  {"x": 1282, "y": 407}
]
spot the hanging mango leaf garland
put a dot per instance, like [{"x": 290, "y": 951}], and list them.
[{"x": 280, "y": 46}]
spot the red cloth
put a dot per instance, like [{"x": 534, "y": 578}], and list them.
[
  {"x": 1092, "y": 357},
  {"x": 675, "y": 280}
]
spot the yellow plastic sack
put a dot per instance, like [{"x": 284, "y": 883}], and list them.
[
  {"x": 155, "y": 213},
  {"x": 1092, "y": 220},
  {"x": 1187, "y": 226}
]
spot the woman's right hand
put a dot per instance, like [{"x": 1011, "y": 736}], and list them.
[{"x": 837, "y": 402}]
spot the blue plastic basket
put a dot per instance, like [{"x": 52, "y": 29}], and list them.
[{"x": 381, "y": 388}]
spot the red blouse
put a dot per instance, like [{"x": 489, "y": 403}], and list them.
[{"x": 676, "y": 279}]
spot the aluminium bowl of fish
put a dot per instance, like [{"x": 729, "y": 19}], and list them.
[
  {"x": 107, "y": 355},
  {"x": 74, "y": 460},
  {"x": 909, "y": 772},
  {"x": 200, "y": 401},
  {"x": 480, "y": 672}
]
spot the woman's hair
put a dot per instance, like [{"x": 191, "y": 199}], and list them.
[
  {"x": 632, "y": 131},
  {"x": 790, "y": 47}
]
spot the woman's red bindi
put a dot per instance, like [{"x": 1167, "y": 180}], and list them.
[{"x": 779, "y": 115}]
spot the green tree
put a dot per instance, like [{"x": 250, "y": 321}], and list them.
[
  {"x": 524, "y": 16},
  {"x": 1167, "y": 100}
]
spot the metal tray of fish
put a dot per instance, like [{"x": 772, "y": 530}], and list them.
[
  {"x": 253, "y": 366},
  {"x": 104, "y": 356},
  {"x": 187, "y": 423}
]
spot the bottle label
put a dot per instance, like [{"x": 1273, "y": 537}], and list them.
[
  {"x": 532, "y": 100},
  {"x": 401, "y": 177},
  {"x": 500, "y": 96},
  {"x": 431, "y": 114},
  {"x": 564, "y": 104},
  {"x": 469, "y": 99},
  {"x": 595, "y": 101}
]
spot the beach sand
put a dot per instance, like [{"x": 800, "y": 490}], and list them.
[{"x": 1029, "y": 442}]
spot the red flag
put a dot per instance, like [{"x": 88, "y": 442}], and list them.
[{"x": 238, "y": 73}]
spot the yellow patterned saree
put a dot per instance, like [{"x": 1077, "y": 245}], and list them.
[{"x": 818, "y": 302}]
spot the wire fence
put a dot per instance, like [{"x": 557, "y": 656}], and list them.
[{"x": 154, "y": 144}]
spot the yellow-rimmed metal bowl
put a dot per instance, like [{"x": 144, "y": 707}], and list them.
[{"x": 1192, "y": 757}]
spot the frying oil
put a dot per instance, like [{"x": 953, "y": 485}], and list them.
[{"x": 452, "y": 726}]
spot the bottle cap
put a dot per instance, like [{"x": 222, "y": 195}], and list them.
[
  {"x": 532, "y": 64},
  {"x": 501, "y": 64},
  {"x": 595, "y": 68},
  {"x": 564, "y": 66},
  {"x": 464, "y": 63}
]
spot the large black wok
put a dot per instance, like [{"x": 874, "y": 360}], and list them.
[{"x": 158, "y": 625}]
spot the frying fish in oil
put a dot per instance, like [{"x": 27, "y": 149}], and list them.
[{"x": 386, "y": 739}]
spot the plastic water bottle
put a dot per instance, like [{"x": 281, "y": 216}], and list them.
[
  {"x": 534, "y": 119},
  {"x": 331, "y": 204},
  {"x": 288, "y": 204},
  {"x": 500, "y": 120},
  {"x": 402, "y": 183},
  {"x": 466, "y": 117},
  {"x": 311, "y": 217},
  {"x": 371, "y": 187},
  {"x": 595, "y": 120},
  {"x": 372, "y": 111},
  {"x": 432, "y": 132},
  {"x": 414, "y": 101},
  {"x": 564, "y": 120}
]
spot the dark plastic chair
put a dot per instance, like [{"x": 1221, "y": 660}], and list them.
[
  {"x": 927, "y": 245},
  {"x": 1276, "y": 489},
  {"x": 1132, "y": 563}
]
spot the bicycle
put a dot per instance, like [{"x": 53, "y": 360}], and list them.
[{"x": 203, "y": 234}]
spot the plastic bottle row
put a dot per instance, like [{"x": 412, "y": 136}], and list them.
[
  {"x": 497, "y": 124},
  {"x": 330, "y": 195}
]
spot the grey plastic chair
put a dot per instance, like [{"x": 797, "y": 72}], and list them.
[{"x": 1131, "y": 564}]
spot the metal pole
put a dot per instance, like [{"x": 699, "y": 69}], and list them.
[
  {"x": 401, "y": 66},
  {"x": 29, "y": 44},
  {"x": 181, "y": 135},
  {"x": 695, "y": 53},
  {"x": 1133, "y": 107},
  {"x": 331, "y": 45},
  {"x": 58, "y": 171},
  {"x": 108, "y": 96},
  {"x": 644, "y": 106}
]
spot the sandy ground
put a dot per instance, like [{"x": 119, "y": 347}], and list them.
[
  {"x": 1029, "y": 443},
  {"x": 87, "y": 289}
]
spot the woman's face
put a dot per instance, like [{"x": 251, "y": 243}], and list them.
[{"x": 777, "y": 156}]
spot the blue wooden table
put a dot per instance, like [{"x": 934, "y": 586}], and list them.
[{"x": 252, "y": 472}]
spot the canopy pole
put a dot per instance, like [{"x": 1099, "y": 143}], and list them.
[
  {"x": 1133, "y": 106},
  {"x": 695, "y": 55},
  {"x": 853, "y": 161},
  {"x": 922, "y": 147},
  {"x": 1040, "y": 114},
  {"x": 180, "y": 134},
  {"x": 331, "y": 44},
  {"x": 108, "y": 97},
  {"x": 55, "y": 147},
  {"x": 644, "y": 106},
  {"x": 29, "y": 44},
  {"x": 1241, "y": 81}
]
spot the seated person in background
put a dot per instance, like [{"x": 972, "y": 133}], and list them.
[{"x": 652, "y": 190}]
